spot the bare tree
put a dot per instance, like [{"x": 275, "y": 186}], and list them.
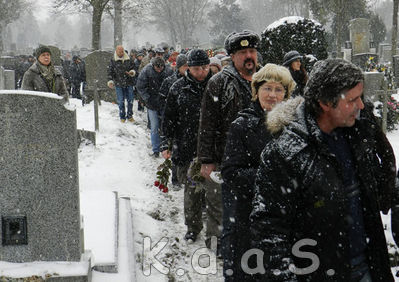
[
  {"x": 261, "y": 13},
  {"x": 9, "y": 12},
  {"x": 118, "y": 22},
  {"x": 97, "y": 7},
  {"x": 395, "y": 26},
  {"x": 178, "y": 18}
]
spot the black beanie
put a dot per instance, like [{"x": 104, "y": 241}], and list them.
[
  {"x": 42, "y": 49},
  {"x": 181, "y": 60},
  {"x": 197, "y": 57}
]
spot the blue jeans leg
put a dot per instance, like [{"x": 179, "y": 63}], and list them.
[
  {"x": 129, "y": 98},
  {"x": 120, "y": 97},
  {"x": 154, "y": 121}
]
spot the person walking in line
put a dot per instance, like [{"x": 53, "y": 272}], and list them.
[{"x": 120, "y": 74}]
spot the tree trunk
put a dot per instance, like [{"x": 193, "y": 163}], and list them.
[
  {"x": 96, "y": 28},
  {"x": 118, "y": 23},
  {"x": 305, "y": 9},
  {"x": 394, "y": 26},
  {"x": 1, "y": 38}
]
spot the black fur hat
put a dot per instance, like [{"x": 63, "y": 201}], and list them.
[{"x": 241, "y": 40}]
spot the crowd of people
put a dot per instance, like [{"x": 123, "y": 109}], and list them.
[{"x": 281, "y": 160}]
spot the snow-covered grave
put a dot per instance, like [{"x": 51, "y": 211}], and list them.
[{"x": 39, "y": 202}]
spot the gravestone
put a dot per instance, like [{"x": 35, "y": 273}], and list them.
[
  {"x": 9, "y": 79},
  {"x": 9, "y": 62},
  {"x": 2, "y": 78},
  {"x": 55, "y": 55},
  {"x": 96, "y": 70},
  {"x": 39, "y": 195},
  {"x": 360, "y": 35},
  {"x": 373, "y": 81},
  {"x": 385, "y": 52},
  {"x": 360, "y": 60},
  {"x": 395, "y": 66}
]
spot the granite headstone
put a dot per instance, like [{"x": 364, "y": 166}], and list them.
[
  {"x": 373, "y": 81},
  {"x": 360, "y": 35},
  {"x": 39, "y": 195},
  {"x": 96, "y": 70}
]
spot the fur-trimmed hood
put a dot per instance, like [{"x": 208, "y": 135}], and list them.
[
  {"x": 124, "y": 58},
  {"x": 282, "y": 114}
]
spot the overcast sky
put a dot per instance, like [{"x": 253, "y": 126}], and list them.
[{"x": 42, "y": 8}]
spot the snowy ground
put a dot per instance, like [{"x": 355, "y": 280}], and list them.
[{"x": 120, "y": 162}]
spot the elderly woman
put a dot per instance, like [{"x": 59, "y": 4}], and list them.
[
  {"x": 42, "y": 76},
  {"x": 246, "y": 139}
]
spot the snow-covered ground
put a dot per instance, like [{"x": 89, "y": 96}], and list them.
[{"x": 120, "y": 162}]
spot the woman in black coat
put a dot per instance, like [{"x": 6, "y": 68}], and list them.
[
  {"x": 293, "y": 61},
  {"x": 245, "y": 141}
]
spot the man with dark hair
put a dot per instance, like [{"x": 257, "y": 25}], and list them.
[
  {"x": 319, "y": 187},
  {"x": 148, "y": 83},
  {"x": 228, "y": 92}
]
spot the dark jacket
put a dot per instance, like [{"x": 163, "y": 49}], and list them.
[
  {"x": 77, "y": 73},
  {"x": 181, "y": 118},
  {"x": 165, "y": 87},
  {"x": 245, "y": 141},
  {"x": 300, "y": 77},
  {"x": 136, "y": 65},
  {"x": 33, "y": 80},
  {"x": 226, "y": 94},
  {"x": 117, "y": 71},
  {"x": 148, "y": 84},
  {"x": 300, "y": 199}
]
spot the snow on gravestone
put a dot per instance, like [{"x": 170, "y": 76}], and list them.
[
  {"x": 39, "y": 188},
  {"x": 96, "y": 69}
]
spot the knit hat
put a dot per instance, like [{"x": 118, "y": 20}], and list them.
[
  {"x": 329, "y": 78},
  {"x": 290, "y": 57},
  {"x": 197, "y": 57},
  {"x": 42, "y": 49},
  {"x": 241, "y": 40},
  {"x": 181, "y": 60},
  {"x": 158, "y": 62},
  {"x": 216, "y": 62}
]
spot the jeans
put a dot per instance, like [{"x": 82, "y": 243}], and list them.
[
  {"x": 123, "y": 93},
  {"x": 154, "y": 121}
]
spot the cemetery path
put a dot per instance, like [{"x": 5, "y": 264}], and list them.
[{"x": 120, "y": 162}]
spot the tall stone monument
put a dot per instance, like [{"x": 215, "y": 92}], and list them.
[
  {"x": 360, "y": 35},
  {"x": 39, "y": 179},
  {"x": 96, "y": 75}
]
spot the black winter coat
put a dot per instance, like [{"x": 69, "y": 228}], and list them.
[
  {"x": 165, "y": 87},
  {"x": 148, "y": 84},
  {"x": 181, "y": 118},
  {"x": 77, "y": 73},
  {"x": 117, "y": 70},
  {"x": 299, "y": 194},
  {"x": 300, "y": 78},
  {"x": 245, "y": 141},
  {"x": 227, "y": 93}
]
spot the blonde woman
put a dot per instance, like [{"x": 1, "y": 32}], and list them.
[{"x": 246, "y": 139}]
